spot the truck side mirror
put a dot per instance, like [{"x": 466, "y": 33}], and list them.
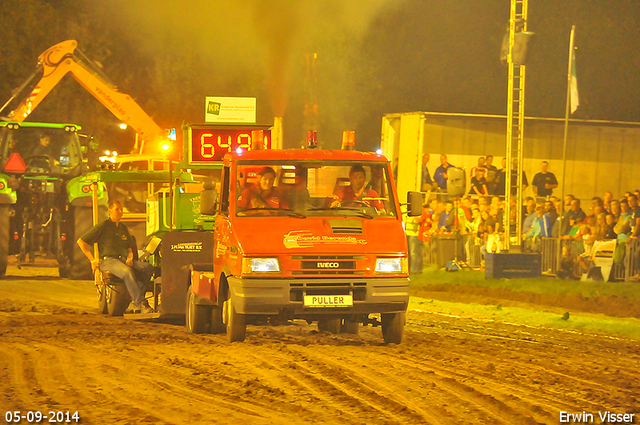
[
  {"x": 414, "y": 200},
  {"x": 209, "y": 198}
]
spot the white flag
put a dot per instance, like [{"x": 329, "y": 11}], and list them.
[{"x": 575, "y": 100}]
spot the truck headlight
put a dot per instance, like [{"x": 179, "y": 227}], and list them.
[
  {"x": 260, "y": 265},
  {"x": 392, "y": 265}
]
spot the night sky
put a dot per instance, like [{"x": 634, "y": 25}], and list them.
[{"x": 374, "y": 57}]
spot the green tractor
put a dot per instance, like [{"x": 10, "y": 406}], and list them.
[{"x": 45, "y": 199}]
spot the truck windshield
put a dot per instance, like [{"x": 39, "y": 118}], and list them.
[
  {"x": 339, "y": 188},
  {"x": 42, "y": 147}
]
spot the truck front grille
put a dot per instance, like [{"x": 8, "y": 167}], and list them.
[{"x": 327, "y": 265}]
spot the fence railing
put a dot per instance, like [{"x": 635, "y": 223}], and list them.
[{"x": 624, "y": 265}]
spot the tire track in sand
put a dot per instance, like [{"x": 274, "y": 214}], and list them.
[
  {"x": 388, "y": 372},
  {"x": 183, "y": 393},
  {"x": 23, "y": 384},
  {"x": 333, "y": 388}
]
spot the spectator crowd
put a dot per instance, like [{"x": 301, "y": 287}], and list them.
[{"x": 480, "y": 214}]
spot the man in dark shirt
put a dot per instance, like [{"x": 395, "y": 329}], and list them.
[
  {"x": 42, "y": 148},
  {"x": 479, "y": 184},
  {"x": 446, "y": 219},
  {"x": 427, "y": 183},
  {"x": 634, "y": 209},
  {"x": 544, "y": 182},
  {"x": 576, "y": 215},
  {"x": 115, "y": 249},
  {"x": 492, "y": 173},
  {"x": 501, "y": 179},
  {"x": 550, "y": 210}
]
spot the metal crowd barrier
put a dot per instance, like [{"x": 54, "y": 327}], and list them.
[
  {"x": 473, "y": 256},
  {"x": 472, "y": 251},
  {"x": 429, "y": 252},
  {"x": 631, "y": 250},
  {"x": 551, "y": 250}
]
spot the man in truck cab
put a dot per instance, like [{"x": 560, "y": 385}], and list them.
[
  {"x": 116, "y": 255},
  {"x": 356, "y": 193},
  {"x": 262, "y": 194}
]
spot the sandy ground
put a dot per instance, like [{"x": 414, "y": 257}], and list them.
[{"x": 58, "y": 354}]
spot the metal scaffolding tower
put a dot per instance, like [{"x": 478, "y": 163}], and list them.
[{"x": 515, "y": 123}]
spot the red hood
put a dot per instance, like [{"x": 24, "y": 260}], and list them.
[{"x": 287, "y": 235}]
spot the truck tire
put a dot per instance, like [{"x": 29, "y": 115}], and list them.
[
  {"x": 78, "y": 266},
  {"x": 330, "y": 325},
  {"x": 350, "y": 327},
  {"x": 217, "y": 324},
  {"x": 118, "y": 299},
  {"x": 393, "y": 327},
  {"x": 4, "y": 239},
  {"x": 197, "y": 316},
  {"x": 236, "y": 323}
]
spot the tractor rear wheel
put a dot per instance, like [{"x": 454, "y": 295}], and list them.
[{"x": 78, "y": 267}]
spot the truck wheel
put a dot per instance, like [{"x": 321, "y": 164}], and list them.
[
  {"x": 393, "y": 327},
  {"x": 4, "y": 239},
  {"x": 217, "y": 324},
  {"x": 236, "y": 323},
  {"x": 79, "y": 267},
  {"x": 350, "y": 327},
  {"x": 330, "y": 325},
  {"x": 197, "y": 316},
  {"x": 118, "y": 299}
]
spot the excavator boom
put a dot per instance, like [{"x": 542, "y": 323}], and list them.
[{"x": 56, "y": 62}]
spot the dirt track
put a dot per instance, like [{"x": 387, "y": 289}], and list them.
[{"x": 56, "y": 353}]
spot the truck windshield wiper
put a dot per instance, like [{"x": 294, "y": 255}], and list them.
[
  {"x": 292, "y": 213},
  {"x": 289, "y": 212},
  {"x": 356, "y": 210}
]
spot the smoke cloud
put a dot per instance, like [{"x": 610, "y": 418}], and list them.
[{"x": 256, "y": 48}]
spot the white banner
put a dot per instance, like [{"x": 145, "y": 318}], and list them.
[{"x": 230, "y": 109}]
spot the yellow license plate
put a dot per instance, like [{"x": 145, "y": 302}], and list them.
[{"x": 328, "y": 300}]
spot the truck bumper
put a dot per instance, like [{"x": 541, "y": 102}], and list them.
[{"x": 270, "y": 296}]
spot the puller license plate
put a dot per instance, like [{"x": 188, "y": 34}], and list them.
[{"x": 328, "y": 301}]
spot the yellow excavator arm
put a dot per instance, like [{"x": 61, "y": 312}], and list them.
[{"x": 61, "y": 59}]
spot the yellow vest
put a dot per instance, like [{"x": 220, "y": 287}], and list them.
[{"x": 412, "y": 226}]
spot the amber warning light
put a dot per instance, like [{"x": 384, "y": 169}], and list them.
[
  {"x": 348, "y": 140},
  {"x": 312, "y": 139},
  {"x": 257, "y": 139}
]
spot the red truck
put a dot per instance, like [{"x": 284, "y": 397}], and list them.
[{"x": 320, "y": 238}]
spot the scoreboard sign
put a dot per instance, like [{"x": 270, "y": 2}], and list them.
[{"x": 209, "y": 144}]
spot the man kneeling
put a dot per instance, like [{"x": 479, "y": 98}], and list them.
[{"x": 115, "y": 249}]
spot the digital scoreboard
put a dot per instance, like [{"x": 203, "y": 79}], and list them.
[{"x": 210, "y": 143}]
